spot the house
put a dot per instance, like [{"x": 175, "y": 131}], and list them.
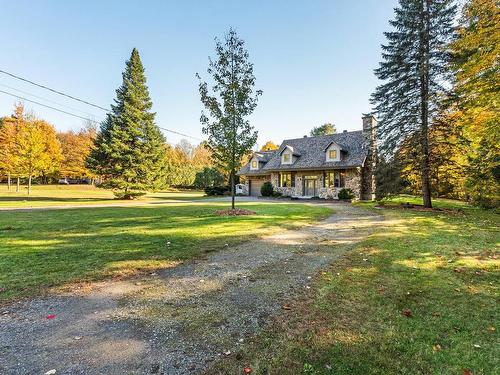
[{"x": 317, "y": 166}]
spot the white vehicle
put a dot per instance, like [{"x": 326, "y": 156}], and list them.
[
  {"x": 240, "y": 189},
  {"x": 63, "y": 181}
]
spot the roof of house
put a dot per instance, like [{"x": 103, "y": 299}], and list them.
[
  {"x": 263, "y": 156},
  {"x": 311, "y": 153}
]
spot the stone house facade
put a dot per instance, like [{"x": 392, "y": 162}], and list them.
[{"x": 318, "y": 166}]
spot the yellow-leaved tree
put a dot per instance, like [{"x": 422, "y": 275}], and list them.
[
  {"x": 269, "y": 146},
  {"x": 476, "y": 53},
  {"x": 9, "y": 129},
  {"x": 37, "y": 149}
]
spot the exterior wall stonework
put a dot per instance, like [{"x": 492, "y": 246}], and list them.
[
  {"x": 353, "y": 178},
  {"x": 368, "y": 179},
  {"x": 352, "y": 181},
  {"x": 287, "y": 191}
]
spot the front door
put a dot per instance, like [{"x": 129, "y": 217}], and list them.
[{"x": 310, "y": 188}]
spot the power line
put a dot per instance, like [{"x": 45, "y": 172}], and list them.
[
  {"x": 71, "y": 97},
  {"x": 184, "y": 135},
  {"x": 47, "y": 106},
  {"x": 51, "y": 101},
  {"x": 55, "y": 91},
  {"x": 85, "y": 118}
]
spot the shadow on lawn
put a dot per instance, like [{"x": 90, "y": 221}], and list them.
[
  {"x": 54, "y": 247},
  {"x": 443, "y": 269},
  {"x": 28, "y": 198}
]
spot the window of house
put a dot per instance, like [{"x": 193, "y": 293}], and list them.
[
  {"x": 286, "y": 179},
  {"x": 332, "y": 154},
  {"x": 286, "y": 158},
  {"x": 254, "y": 164},
  {"x": 329, "y": 179},
  {"x": 335, "y": 179}
]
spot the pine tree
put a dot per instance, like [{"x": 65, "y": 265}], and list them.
[
  {"x": 230, "y": 135},
  {"x": 413, "y": 69},
  {"x": 129, "y": 151}
]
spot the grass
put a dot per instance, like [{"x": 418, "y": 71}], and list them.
[
  {"x": 436, "y": 203},
  {"x": 440, "y": 268},
  {"x": 40, "y": 250},
  {"x": 64, "y": 195}
]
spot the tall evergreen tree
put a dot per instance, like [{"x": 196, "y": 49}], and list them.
[
  {"x": 230, "y": 135},
  {"x": 414, "y": 69},
  {"x": 129, "y": 149}
]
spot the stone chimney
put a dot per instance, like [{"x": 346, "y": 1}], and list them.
[{"x": 367, "y": 177}]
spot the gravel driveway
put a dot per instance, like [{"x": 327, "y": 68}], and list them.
[{"x": 178, "y": 320}]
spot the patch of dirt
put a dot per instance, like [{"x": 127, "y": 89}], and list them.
[
  {"x": 234, "y": 212},
  {"x": 182, "y": 319}
]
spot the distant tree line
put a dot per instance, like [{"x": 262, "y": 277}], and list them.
[{"x": 31, "y": 149}]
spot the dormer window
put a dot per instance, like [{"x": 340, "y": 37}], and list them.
[
  {"x": 254, "y": 164},
  {"x": 289, "y": 155},
  {"x": 333, "y": 152}
]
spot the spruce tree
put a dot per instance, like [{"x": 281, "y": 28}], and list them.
[
  {"x": 230, "y": 135},
  {"x": 414, "y": 72},
  {"x": 129, "y": 149}
]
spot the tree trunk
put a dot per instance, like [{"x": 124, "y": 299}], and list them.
[
  {"x": 17, "y": 186},
  {"x": 8, "y": 181},
  {"x": 29, "y": 184},
  {"x": 424, "y": 105},
  {"x": 232, "y": 189}
]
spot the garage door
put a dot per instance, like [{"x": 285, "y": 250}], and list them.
[{"x": 255, "y": 186}]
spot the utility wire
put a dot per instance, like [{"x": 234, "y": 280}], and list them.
[
  {"x": 51, "y": 101},
  {"x": 47, "y": 106},
  {"x": 71, "y": 97},
  {"x": 78, "y": 116},
  {"x": 184, "y": 135},
  {"x": 57, "y": 92}
]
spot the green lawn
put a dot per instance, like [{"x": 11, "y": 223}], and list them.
[
  {"x": 64, "y": 195},
  {"x": 418, "y": 297},
  {"x": 44, "y": 249}
]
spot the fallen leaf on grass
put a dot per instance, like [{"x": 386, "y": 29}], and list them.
[
  {"x": 491, "y": 329},
  {"x": 247, "y": 370},
  {"x": 436, "y": 347},
  {"x": 435, "y": 313},
  {"x": 467, "y": 372},
  {"x": 407, "y": 313}
]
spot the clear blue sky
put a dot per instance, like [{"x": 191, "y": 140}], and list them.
[{"x": 314, "y": 60}]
